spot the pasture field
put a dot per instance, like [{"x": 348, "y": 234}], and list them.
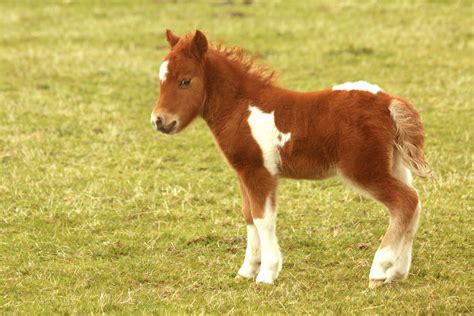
[{"x": 101, "y": 214}]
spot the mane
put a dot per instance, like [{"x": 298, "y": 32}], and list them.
[
  {"x": 239, "y": 58},
  {"x": 247, "y": 64}
]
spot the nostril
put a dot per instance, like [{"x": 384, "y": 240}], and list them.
[
  {"x": 172, "y": 124},
  {"x": 159, "y": 122}
]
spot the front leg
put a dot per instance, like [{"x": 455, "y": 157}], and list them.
[
  {"x": 261, "y": 190},
  {"x": 252, "y": 254}
]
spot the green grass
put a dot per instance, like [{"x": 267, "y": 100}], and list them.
[{"x": 99, "y": 213}]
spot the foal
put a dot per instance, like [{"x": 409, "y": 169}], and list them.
[{"x": 265, "y": 132}]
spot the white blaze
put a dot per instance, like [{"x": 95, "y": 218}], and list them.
[
  {"x": 268, "y": 137},
  {"x": 359, "y": 85},
  {"x": 163, "y": 71}
]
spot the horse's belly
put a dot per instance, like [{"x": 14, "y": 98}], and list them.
[{"x": 306, "y": 166}]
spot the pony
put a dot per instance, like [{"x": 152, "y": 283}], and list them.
[{"x": 265, "y": 132}]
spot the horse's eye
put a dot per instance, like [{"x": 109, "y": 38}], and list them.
[{"x": 185, "y": 83}]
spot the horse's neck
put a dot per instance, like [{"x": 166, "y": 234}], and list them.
[{"x": 229, "y": 92}]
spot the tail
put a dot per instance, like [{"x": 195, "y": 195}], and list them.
[{"x": 409, "y": 137}]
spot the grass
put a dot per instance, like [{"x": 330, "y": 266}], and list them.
[{"x": 100, "y": 214}]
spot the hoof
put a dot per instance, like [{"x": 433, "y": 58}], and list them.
[{"x": 375, "y": 283}]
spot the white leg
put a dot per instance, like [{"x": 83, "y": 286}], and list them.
[
  {"x": 252, "y": 254},
  {"x": 271, "y": 257}
]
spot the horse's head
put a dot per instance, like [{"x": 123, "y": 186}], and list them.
[{"x": 182, "y": 91}]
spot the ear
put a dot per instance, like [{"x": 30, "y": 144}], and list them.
[
  {"x": 171, "y": 37},
  {"x": 199, "y": 44}
]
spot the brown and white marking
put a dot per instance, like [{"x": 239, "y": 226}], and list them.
[{"x": 355, "y": 130}]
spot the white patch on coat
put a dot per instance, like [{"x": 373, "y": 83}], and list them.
[
  {"x": 252, "y": 254},
  {"x": 359, "y": 85},
  {"x": 268, "y": 137},
  {"x": 271, "y": 261},
  {"x": 163, "y": 71}
]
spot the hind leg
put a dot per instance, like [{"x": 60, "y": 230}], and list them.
[
  {"x": 402, "y": 229},
  {"x": 392, "y": 259}
]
